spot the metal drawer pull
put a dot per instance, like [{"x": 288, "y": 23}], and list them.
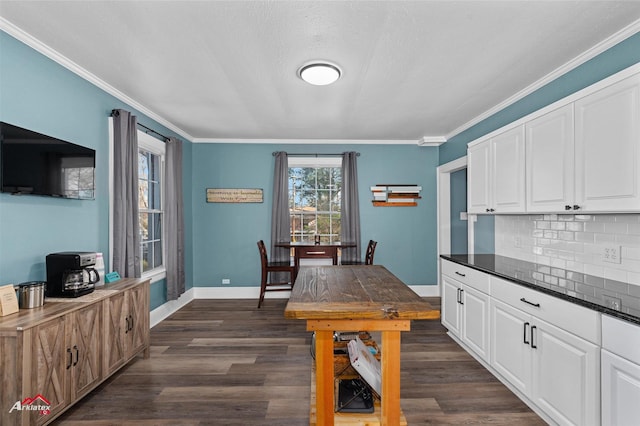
[
  {"x": 533, "y": 345},
  {"x": 461, "y": 274},
  {"x": 315, "y": 252},
  {"x": 537, "y": 305}
]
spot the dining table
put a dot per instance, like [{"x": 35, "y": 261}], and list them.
[
  {"x": 313, "y": 250},
  {"x": 348, "y": 298}
]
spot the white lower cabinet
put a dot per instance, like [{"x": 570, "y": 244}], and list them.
[
  {"x": 620, "y": 372},
  {"x": 556, "y": 370},
  {"x": 465, "y": 311}
]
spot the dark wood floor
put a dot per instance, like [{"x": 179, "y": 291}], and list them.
[{"x": 224, "y": 362}]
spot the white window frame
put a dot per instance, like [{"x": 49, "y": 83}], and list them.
[
  {"x": 155, "y": 146},
  {"x": 314, "y": 161}
]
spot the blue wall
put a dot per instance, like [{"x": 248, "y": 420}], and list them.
[
  {"x": 458, "y": 189},
  {"x": 226, "y": 236},
  {"x": 38, "y": 94},
  {"x": 617, "y": 58}
]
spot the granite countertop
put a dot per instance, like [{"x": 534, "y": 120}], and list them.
[{"x": 611, "y": 297}]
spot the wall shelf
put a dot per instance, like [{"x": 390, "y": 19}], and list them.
[{"x": 387, "y": 195}]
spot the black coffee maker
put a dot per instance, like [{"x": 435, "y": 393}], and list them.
[{"x": 71, "y": 274}]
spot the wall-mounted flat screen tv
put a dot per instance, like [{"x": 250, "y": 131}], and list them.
[{"x": 36, "y": 164}]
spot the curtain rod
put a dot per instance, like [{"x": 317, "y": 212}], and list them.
[
  {"x": 314, "y": 155},
  {"x": 115, "y": 113}
]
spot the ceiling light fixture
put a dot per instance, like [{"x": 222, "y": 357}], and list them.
[{"x": 319, "y": 73}]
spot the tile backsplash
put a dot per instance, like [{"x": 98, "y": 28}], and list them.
[{"x": 606, "y": 246}]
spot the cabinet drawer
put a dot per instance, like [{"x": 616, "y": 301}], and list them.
[
  {"x": 573, "y": 318},
  {"x": 469, "y": 276},
  {"x": 621, "y": 338},
  {"x": 311, "y": 252}
]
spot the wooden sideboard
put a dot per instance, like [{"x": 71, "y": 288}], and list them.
[{"x": 61, "y": 351}]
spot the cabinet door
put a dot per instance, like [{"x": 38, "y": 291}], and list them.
[
  {"x": 508, "y": 181},
  {"x": 137, "y": 334},
  {"x": 549, "y": 158},
  {"x": 479, "y": 178},
  {"x": 86, "y": 346},
  {"x": 450, "y": 305},
  {"x": 620, "y": 390},
  {"x": 48, "y": 367},
  {"x": 114, "y": 326},
  {"x": 475, "y": 321},
  {"x": 510, "y": 350},
  {"x": 608, "y": 148},
  {"x": 566, "y": 379}
]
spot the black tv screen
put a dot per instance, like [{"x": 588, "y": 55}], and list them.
[{"x": 33, "y": 163}]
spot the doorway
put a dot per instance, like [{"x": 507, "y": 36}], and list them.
[{"x": 453, "y": 229}]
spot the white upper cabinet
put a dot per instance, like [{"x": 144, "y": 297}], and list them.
[
  {"x": 582, "y": 155},
  {"x": 479, "y": 177},
  {"x": 549, "y": 158},
  {"x": 607, "y": 154},
  {"x": 496, "y": 174}
]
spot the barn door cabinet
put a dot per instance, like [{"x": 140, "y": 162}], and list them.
[
  {"x": 126, "y": 327},
  {"x": 56, "y": 352}
]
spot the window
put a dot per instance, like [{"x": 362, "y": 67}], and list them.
[
  {"x": 150, "y": 202},
  {"x": 315, "y": 185}
]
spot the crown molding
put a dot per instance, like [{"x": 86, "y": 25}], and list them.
[
  {"x": 55, "y": 56},
  {"x": 594, "y": 51},
  {"x": 310, "y": 141},
  {"x": 432, "y": 141}
]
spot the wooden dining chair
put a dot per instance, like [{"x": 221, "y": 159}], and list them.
[
  {"x": 368, "y": 257},
  {"x": 268, "y": 267}
]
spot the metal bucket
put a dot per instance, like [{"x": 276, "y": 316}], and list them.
[{"x": 31, "y": 294}]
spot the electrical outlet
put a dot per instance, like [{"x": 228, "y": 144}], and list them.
[
  {"x": 611, "y": 254},
  {"x": 226, "y": 281},
  {"x": 517, "y": 241},
  {"x": 612, "y": 302}
]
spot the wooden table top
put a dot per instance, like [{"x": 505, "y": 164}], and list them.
[
  {"x": 312, "y": 244},
  {"x": 354, "y": 292}
]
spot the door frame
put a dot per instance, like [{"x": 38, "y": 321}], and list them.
[{"x": 443, "y": 182}]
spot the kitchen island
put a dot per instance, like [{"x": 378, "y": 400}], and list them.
[{"x": 356, "y": 298}]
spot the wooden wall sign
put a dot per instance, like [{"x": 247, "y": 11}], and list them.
[{"x": 234, "y": 195}]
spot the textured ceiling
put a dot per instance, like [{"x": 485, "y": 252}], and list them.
[{"x": 223, "y": 70}]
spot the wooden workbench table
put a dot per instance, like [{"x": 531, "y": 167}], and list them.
[{"x": 356, "y": 298}]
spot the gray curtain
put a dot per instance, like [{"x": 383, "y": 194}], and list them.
[
  {"x": 280, "y": 222},
  {"x": 174, "y": 219},
  {"x": 126, "y": 233},
  {"x": 350, "y": 207}
]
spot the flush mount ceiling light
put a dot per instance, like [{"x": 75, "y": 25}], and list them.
[{"x": 319, "y": 73}]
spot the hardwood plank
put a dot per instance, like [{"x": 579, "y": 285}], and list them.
[{"x": 210, "y": 373}]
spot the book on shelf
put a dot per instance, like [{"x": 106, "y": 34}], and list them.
[
  {"x": 404, "y": 195},
  {"x": 402, "y": 200}
]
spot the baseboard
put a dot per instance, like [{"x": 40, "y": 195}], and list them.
[{"x": 165, "y": 310}]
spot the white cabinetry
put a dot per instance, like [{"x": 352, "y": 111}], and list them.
[
  {"x": 582, "y": 155},
  {"x": 496, "y": 173},
  {"x": 465, "y": 308},
  {"x": 620, "y": 372},
  {"x": 549, "y": 158},
  {"x": 607, "y": 148},
  {"x": 553, "y": 367}
]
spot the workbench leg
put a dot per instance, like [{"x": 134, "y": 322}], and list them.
[
  {"x": 324, "y": 378},
  {"x": 390, "y": 378}
]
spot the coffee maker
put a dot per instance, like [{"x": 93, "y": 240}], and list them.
[{"x": 71, "y": 274}]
